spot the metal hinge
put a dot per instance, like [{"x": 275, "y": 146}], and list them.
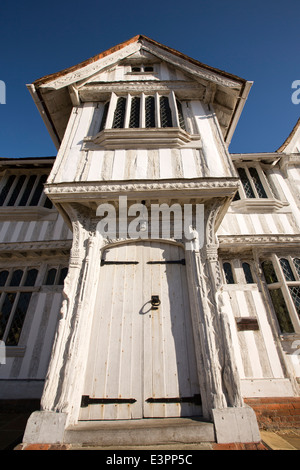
[
  {"x": 196, "y": 399},
  {"x": 176, "y": 261},
  {"x": 103, "y": 261},
  {"x": 86, "y": 401}
]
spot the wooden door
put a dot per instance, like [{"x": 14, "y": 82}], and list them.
[{"x": 142, "y": 360}]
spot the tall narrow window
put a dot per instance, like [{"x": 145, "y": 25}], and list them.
[
  {"x": 6, "y": 189},
  {"x": 246, "y": 183},
  {"x": 257, "y": 183},
  {"x": 248, "y": 273},
  {"x": 180, "y": 115},
  {"x": 165, "y": 112},
  {"x": 283, "y": 278},
  {"x": 15, "y": 295},
  {"x": 149, "y": 111},
  {"x": 134, "y": 120},
  {"x": 104, "y": 116},
  {"x": 119, "y": 116},
  {"x": 228, "y": 273}
]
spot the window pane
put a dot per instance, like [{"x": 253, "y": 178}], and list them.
[
  {"x": 51, "y": 277},
  {"x": 38, "y": 191},
  {"x": 180, "y": 115},
  {"x": 246, "y": 183},
  {"x": 27, "y": 190},
  {"x": 5, "y": 311},
  {"x": 134, "y": 120},
  {"x": 16, "y": 278},
  {"x": 297, "y": 266},
  {"x": 248, "y": 273},
  {"x": 6, "y": 189},
  {"x": 295, "y": 293},
  {"x": 165, "y": 112},
  {"x": 63, "y": 274},
  {"x": 48, "y": 204},
  {"x": 104, "y": 117},
  {"x": 18, "y": 320},
  {"x": 119, "y": 115},
  {"x": 17, "y": 190},
  {"x": 287, "y": 271},
  {"x": 269, "y": 272},
  {"x": 3, "y": 278},
  {"x": 228, "y": 273},
  {"x": 150, "y": 112},
  {"x": 281, "y": 311},
  {"x": 257, "y": 183},
  {"x": 31, "y": 277}
]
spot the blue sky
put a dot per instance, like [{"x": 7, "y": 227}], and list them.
[{"x": 257, "y": 40}]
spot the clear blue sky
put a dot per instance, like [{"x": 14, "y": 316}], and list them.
[{"x": 256, "y": 40}]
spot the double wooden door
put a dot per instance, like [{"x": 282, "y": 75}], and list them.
[{"x": 141, "y": 360}]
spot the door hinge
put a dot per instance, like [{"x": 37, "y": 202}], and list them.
[
  {"x": 86, "y": 401},
  {"x": 103, "y": 262},
  {"x": 176, "y": 261},
  {"x": 196, "y": 399}
]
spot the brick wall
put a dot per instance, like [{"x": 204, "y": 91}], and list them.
[{"x": 276, "y": 413}]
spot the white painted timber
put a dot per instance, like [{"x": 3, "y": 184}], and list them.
[{"x": 136, "y": 352}]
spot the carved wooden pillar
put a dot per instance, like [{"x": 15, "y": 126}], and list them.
[
  {"x": 218, "y": 374},
  {"x": 63, "y": 386}
]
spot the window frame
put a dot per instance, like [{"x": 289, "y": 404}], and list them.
[
  {"x": 284, "y": 285},
  {"x": 262, "y": 177},
  {"x": 19, "y": 289},
  {"x": 275, "y": 200},
  {"x": 238, "y": 272},
  {"x": 42, "y": 201},
  {"x": 110, "y": 137}
]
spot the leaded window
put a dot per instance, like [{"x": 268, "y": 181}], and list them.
[
  {"x": 228, "y": 273},
  {"x": 254, "y": 183},
  {"x": 237, "y": 271},
  {"x": 282, "y": 275},
  {"x": 15, "y": 294},
  {"x": 143, "y": 111},
  {"x": 24, "y": 190}
]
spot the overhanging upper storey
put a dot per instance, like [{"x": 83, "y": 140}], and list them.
[{"x": 138, "y": 65}]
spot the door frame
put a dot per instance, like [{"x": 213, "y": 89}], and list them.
[{"x": 194, "y": 322}]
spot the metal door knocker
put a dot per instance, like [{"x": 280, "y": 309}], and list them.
[{"x": 155, "y": 302}]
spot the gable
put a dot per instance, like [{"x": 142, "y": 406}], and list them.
[{"x": 55, "y": 94}]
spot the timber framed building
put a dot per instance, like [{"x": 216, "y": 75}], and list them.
[{"x": 118, "y": 328}]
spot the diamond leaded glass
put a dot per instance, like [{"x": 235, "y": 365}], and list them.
[
  {"x": 287, "y": 270},
  {"x": 149, "y": 111},
  {"x": 297, "y": 265},
  {"x": 18, "y": 319},
  {"x": 165, "y": 112},
  {"x": 246, "y": 183},
  {"x": 180, "y": 115},
  {"x": 257, "y": 183},
  {"x": 134, "y": 120},
  {"x": 119, "y": 115},
  {"x": 295, "y": 294}
]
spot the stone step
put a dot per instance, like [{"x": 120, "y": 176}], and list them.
[{"x": 143, "y": 432}]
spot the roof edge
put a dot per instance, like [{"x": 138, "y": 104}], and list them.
[
  {"x": 138, "y": 38},
  {"x": 289, "y": 138}
]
